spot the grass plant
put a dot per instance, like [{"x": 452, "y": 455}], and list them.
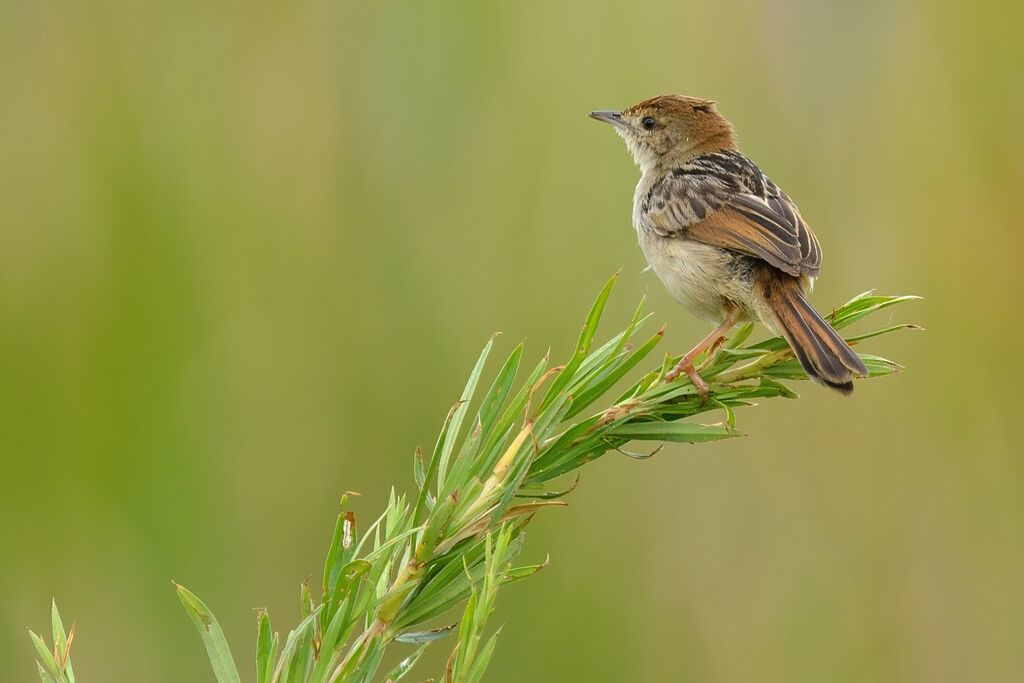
[{"x": 428, "y": 570}]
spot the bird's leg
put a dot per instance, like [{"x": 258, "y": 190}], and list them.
[
  {"x": 711, "y": 350},
  {"x": 711, "y": 341}
]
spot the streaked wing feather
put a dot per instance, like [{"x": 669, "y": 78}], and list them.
[
  {"x": 730, "y": 229},
  {"x": 705, "y": 204}
]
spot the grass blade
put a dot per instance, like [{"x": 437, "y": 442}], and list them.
[
  {"x": 682, "y": 432},
  {"x": 213, "y": 637},
  {"x": 460, "y": 412},
  {"x": 264, "y": 648},
  {"x": 405, "y": 666}
]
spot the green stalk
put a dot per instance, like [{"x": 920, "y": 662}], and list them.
[{"x": 453, "y": 542}]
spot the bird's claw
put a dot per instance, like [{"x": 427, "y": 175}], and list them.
[
  {"x": 691, "y": 372},
  {"x": 698, "y": 381}
]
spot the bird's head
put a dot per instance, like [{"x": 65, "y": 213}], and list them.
[{"x": 670, "y": 129}]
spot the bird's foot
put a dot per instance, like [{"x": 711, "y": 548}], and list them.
[{"x": 691, "y": 372}]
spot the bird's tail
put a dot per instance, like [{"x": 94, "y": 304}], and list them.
[{"x": 824, "y": 355}]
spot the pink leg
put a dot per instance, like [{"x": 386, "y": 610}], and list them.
[{"x": 712, "y": 340}]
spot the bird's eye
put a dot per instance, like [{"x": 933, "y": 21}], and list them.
[{"x": 648, "y": 123}]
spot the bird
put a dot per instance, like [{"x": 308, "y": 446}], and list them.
[{"x": 726, "y": 242}]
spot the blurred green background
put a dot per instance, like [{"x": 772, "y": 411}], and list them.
[{"x": 249, "y": 251}]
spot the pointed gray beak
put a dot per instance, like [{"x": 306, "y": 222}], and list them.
[{"x": 612, "y": 117}]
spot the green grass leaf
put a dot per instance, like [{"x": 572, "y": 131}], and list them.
[
  {"x": 292, "y": 650},
  {"x": 46, "y": 659},
  {"x": 460, "y": 412},
  {"x": 483, "y": 660},
  {"x": 683, "y": 432},
  {"x": 586, "y": 338},
  {"x": 45, "y": 676},
  {"x": 864, "y": 305},
  {"x": 341, "y": 542},
  {"x": 223, "y": 664},
  {"x": 405, "y": 666},
  {"x": 614, "y": 374},
  {"x": 60, "y": 642},
  {"x": 265, "y": 648},
  {"x": 419, "y": 637},
  {"x": 494, "y": 399}
]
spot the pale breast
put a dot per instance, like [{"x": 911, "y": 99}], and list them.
[
  {"x": 707, "y": 280},
  {"x": 698, "y": 276}
]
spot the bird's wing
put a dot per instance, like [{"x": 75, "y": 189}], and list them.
[{"x": 729, "y": 203}]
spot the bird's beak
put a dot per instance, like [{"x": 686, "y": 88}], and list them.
[{"x": 612, "y": 117}]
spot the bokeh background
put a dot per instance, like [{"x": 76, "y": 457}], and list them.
[{"x": 249, "y": 251}]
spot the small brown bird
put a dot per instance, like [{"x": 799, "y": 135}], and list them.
[{"x": 724, "y": 240}]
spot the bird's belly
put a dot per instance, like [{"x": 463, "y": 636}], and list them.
[{"x": 700, "y": 277}]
